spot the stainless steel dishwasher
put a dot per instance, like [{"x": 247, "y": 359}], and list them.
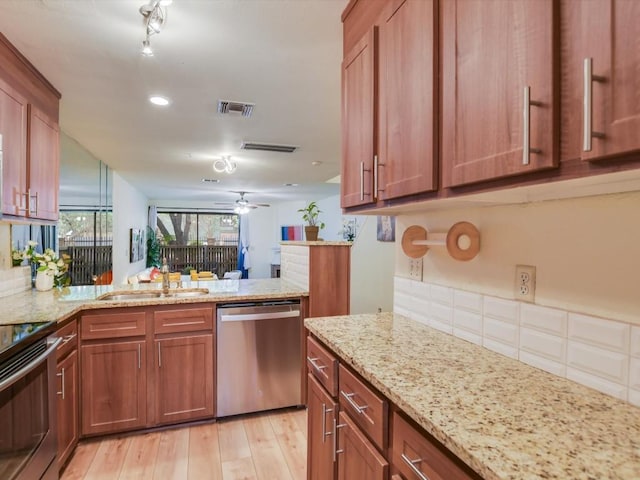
[{"x": 259, "y": 362}]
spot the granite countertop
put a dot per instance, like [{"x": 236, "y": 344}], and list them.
[
  {"x": 34, "y": 306},
  {"x": 503, "y": 418}
]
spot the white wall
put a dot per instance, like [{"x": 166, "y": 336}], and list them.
[
  {"x": 586, "y": 252},
  {"x": 130, "y": 209},
  {"x": 372, "y": 264}
]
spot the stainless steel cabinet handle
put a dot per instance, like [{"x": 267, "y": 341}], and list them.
[
  {"x": 413, "y": 467},
  {"x": 61, "y": 392},
  {"x": 22, "y": 196},
  {"x": 325, "y": 410},
  {"x": 362, "y": 181},
  {"x": 526, "y": 129},
  {"x": 313, "y": 363},
  {"x": 335, "y": 439},
  {"x": 587, "y": 105},
  {"x": 375, "y": 176},
  {"x": 159, "y": 356},
  {"x": 139, "y": 355},
  {"x": 348, "y": 396},
  {"x": 68, "y": 338},
  {"x": 30, "y": 196}
]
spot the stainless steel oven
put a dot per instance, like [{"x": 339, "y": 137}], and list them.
[{"x": 28, "y": 442}]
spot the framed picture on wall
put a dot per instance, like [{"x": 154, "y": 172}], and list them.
[
  {"x": 386, "y": 228},
  {"x": 136, "y": 245}
]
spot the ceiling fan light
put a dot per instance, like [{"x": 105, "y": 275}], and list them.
[
  {"x": 147, "y": 51},
  {"x": 241, "y": 209}
]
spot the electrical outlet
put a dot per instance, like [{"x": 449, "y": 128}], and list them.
[
  {"x": 525, "y": 286},
  {"x": 415, "y": 269}
]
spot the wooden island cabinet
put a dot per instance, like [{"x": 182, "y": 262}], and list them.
[
  {"x": 68, "y": 393},
  {"x": 146, "y": 366}
]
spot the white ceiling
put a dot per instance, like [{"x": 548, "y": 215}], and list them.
[{"x": 282, "y": 55}]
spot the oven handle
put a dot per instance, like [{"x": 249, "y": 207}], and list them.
[{"x": 53, "y": 345}]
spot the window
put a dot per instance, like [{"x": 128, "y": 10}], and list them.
[{"x": 199, "y": 241}]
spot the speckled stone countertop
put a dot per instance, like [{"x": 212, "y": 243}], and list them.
[
  {"x": 503, "y": 418},
  {"x": 34, "y": 306}
]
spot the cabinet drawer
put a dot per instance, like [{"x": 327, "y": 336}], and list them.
[
  {"x": 368, "y": 409},
  {"x": 183, "y": 320},
  {"x": 323, "y": 366},
  {"x": 69, "y": 335},
  {"x": 113, "y": 325},
  {"x": 412, "y": 452}
]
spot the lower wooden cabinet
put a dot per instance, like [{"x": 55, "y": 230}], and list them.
[
  {"x": 67, "y": 391},
  {"x": 114, "y": 387},
  {"x": 358, "y": 458},
  {"x": 321, "y": 424},
  {"x": 184, "y": 378}
]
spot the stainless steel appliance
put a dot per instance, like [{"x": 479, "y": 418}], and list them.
[
  {"x": 28, "y": 435},
  {"x": 258, "y": 357}
]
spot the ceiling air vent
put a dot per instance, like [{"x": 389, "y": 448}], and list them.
[
  {"x": 268, "y": 147},
  {"x": 243, "y": 108}
]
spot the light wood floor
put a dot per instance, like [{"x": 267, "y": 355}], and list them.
[{"x": 270, "y": 446}]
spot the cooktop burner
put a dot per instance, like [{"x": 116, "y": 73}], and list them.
[{"x": 16, "y": 337}]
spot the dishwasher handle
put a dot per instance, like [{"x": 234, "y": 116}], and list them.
[{"x": 248, "y": 317}]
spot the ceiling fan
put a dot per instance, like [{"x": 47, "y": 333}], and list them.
[{"x": 241, "y": 205}]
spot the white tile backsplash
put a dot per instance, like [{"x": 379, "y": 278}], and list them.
[
  {"x": 542, "y": 344},
  {"x": 599, "y": 332},
  {"x": 545, "y": 319},
  {"x": 599, "y": 353},
  {"x": 598, "y": 361},
  {"x": 506, "y": 310},
  {"x": 14, "y": 280}
]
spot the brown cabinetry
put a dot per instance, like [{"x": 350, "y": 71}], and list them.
[
  {"x": 30, "y": 137},
  {"x": 389, "y": 98},
  {"x": 329, "y": 280},
  {"x": 322, "y": 415},
  {"x": 183, "y": 364},
  {"x": 600, "y": 84},
  {"x": 498, "y": 90},
  {"x": 68, "y": 394},
  {"x": 358, "y": 458},
  {"x": 408, "y": 99}
]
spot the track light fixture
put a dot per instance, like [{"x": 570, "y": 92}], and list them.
[
  {"x": 155, "y": 16},
  {"x": 225, "y": 164}
]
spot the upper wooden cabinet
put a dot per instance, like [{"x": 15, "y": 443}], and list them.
[
  {"x": 407, "y": 93},
  {"x": 600, "y": 81},
  {"x": 13, "y": 128},
  {"x": 498, "y": 90},
  {"x": 358, "y": 122},
  {"x": 389, "y": 94},
  {"x": 30, "y": 138},
  {"x": 44, "y": 165}
]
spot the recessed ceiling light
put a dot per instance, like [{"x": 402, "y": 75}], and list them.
[
  {"x": 210, "y": 180},
  {"x": 290, "y": 184},
  {"x": 166, "y": 3},
  {"x": 158, "y": 100},
  {"x": 315, "y": 163}
]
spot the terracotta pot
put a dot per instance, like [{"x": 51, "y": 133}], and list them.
[{"x": 311, "y": 233}]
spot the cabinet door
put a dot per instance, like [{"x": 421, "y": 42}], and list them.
[
  {"x": 495, "y": 54},
  {"x": 68, "y": 395},
  {"x": 44, "y": 163},
  {"x": 604, "y": 108},
  {"x": 329, "y": 277},
  {"x": 114, "y": 387},
  {"x": 358, "y": 458},
  {"x": 184, "y": 378},
  {"x": 407, "y": 155},
  {"x": 358, "y": 122},
  {"x": 13, "y": 128},
  {"x": 321, "y": 417}
]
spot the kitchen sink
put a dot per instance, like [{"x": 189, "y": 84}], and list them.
[
  {"x": 139, "y": 295},
  {"x": 116, "y": 296}
]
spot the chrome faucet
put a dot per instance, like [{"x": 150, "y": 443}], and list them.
[{"x": 165, "y": 276}]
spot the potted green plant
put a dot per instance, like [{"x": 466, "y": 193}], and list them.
[{"x": 310, "y": 215}]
